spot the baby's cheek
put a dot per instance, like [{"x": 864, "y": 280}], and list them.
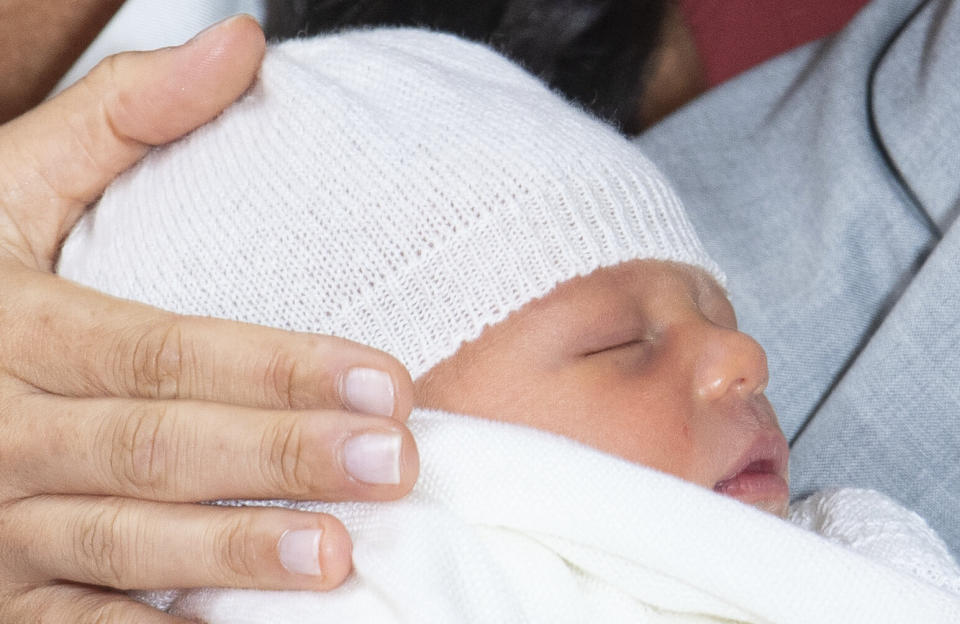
[{"x": 629, "y": 428}]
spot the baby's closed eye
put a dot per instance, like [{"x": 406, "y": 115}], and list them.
[{"x": 615, "y": 346}]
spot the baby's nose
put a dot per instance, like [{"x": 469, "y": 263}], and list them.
[{"x": 729, "y": 361}]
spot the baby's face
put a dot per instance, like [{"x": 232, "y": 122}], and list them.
[{"x": 642, "y": 360}]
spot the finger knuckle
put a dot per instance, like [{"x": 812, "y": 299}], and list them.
[
  {"x": 103, "y": 81},
  {"x": 11, "y": 444},
  {"x": 100, "y": 611},
  {"x": 99, "y": 546},
  {"x": 29, "y": 604},
  {"x": 106, "y": 70},
  {"x": 7, "y": 403},
  {"x": 280, "y": 378},
  {"x": 104, "y": 78},
  {"x": 235, "y": 552},
  {"x": 139, "y": 447},
  {"x": 56, "y": 603},
  {"x": 159, "y": 357},
  {"x": 284, "y": 457}
]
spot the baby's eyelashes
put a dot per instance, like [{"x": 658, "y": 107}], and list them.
[{"x": 615, "y": 347}]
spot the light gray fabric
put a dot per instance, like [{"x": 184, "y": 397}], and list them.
[
  {"x": 148, "y": 24},
  {"x": 827, "y": 259}
]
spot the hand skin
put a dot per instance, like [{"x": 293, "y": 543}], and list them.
[{"x": 116, "y": 418}]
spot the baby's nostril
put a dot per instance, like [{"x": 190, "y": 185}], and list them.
[
  {"x": 741, "y": 386},
  {"x": 760, "y": 466}
]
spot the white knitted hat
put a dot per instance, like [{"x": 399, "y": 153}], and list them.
[{"x": 396, "y": 187}]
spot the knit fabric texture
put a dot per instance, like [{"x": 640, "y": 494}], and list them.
[
  {"x": 396, "y": 187},
  {"x": 875, "y": 526}
]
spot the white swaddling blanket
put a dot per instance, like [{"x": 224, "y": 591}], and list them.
[{"x": 510, "y": 524}]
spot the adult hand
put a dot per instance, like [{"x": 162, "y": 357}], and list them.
[{"x": 115, "y": 418}]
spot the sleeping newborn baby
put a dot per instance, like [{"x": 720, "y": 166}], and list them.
[
  {"x": 422, "y": 195},
  {"x": 642, "y": 360}
]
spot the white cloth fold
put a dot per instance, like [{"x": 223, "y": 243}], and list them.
[{"x": 510, "y": 524}]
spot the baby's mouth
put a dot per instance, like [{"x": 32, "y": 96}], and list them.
[{"x": 759, "y": 476}]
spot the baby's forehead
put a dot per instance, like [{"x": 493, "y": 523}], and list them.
[
  {"x": 620, "y": 304},
  {"x": 625, "y": 282},
  {"x": 614, "y": 295}
]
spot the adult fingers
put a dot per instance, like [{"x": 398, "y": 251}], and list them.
[
  {"x": 73, "y": 341},
  {"x": 129, "y": 544},
  {"x": 60, "y": 156},
  {"x": 189, "y": 450},
  {"x": 63, "y": 602}
]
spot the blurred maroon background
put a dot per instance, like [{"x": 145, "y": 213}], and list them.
[{"x": 734, "y": 35}]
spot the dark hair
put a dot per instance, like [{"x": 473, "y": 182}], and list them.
[{"x": 593, "y": 51}]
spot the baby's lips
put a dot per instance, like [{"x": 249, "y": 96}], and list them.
[
  {"x": 759, "y": 475},
  {"x": 767, "y": 490}
]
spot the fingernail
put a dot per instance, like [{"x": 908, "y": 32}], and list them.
[
  {"x": 373, "y": 458},
  {"x": 367, "y": 390},
  {"x": 213, "y": 27},
  {"x": 300, "y": 551}
]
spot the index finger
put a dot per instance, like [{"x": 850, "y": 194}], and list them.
[
  {"x": 74, "y": 341},
  {"x": 60, "y": 156}
]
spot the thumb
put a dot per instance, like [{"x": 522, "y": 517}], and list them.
[{"x": 57, "y": 158}]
